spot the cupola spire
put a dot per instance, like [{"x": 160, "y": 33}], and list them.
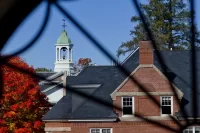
[{"x": 64, "y": 25}]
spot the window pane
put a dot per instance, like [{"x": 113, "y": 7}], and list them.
[
  {"x": 106, "y": 131},
  {"x": 127, "y": 102},
  {"x": 170, "y": 102},
  {"x": 124, "y": 103},
  {"x": 188, "y": 130},
  {"x": 166, "y": 109},
  {"x": 95, "y": 130},
  {"x": 127, "y": 111},
  {"x": 197, "y": 129},
  {"x": 92, "y": 130}
]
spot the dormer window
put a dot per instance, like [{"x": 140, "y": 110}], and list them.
[
  {"x": 166, "y": 105},
  {"x": 127, "y": 105}
]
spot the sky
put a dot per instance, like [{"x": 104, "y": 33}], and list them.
[{"x": 107, "y": 20}]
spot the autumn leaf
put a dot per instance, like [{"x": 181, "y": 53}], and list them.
[
  {"x": 38, "y": 125},
  {"x": 12, "y": 126},
  {"x": 3, "y": 130}
]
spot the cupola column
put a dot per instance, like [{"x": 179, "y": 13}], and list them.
[
  {"x": 68, "y": 55},
  {"x": 71, "y": 54},
  {"x": 59, "y": 53},
  {"x": 56, "y": 54}
]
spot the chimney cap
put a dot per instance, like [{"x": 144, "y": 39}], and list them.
[{"x": 145, "y": 44}]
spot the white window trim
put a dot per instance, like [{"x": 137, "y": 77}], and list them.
[
  {"x": 133, "y": 109},
  {"x": 193, "y": 128},
  {"x": 101, "y": 129},
  {"x": 161, "y": 106}
]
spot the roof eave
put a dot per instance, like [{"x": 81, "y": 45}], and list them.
[{"x": 84, "y": 120}]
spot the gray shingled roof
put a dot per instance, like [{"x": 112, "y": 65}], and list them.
[
  {"x": 45, "y": 85},
  {"x": 45, "y": 74},
  {"x": 110, "y": 77}
]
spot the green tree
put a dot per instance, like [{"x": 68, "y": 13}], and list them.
[
  {"x": 169, "y": 21},
  {"x": 43, "y": 70}
]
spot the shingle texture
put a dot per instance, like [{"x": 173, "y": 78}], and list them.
[
  {"x": 45, "y": 74},
  {"x": 44, "y": 86}
]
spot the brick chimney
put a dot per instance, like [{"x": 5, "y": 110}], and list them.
[{"x": 145, "y": 53}]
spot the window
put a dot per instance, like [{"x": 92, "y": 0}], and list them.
[
  {"x": 166, "y": 105},
  {"x": 127, "y": 105},
  {"x": 192, "y": 130},
  {"x": 100, "y": 130}
]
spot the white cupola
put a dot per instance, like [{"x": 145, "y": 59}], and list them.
[{"x": 64, "y": 54}]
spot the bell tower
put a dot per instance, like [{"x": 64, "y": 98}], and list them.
[{"x": 64, "y": 52}]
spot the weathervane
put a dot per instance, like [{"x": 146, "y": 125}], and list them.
[{"x": 64, "y": 25}]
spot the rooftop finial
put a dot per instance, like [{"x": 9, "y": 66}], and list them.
[{"x": 64, "y": 25}]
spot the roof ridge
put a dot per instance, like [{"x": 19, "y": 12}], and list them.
[
  {"x": 133, "y": 52},
  {"x": 100, "y": 66},
  {"x": 55, "y": 75},
  {"x": 45, "y": 72}
]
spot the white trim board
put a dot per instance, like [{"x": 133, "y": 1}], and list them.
[
  {"x": 57, "y": 129},
  {"x": 82, "y": 120},
  {"x": 85, "y": 85},
  {"x": 51, "y": 87}
]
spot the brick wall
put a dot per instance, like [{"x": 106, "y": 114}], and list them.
[
  {"x": 117, "y": 127},
  {"x": 117, "y": 103},
  {"x": 153, "y": 82},
  {"x": 150, "y": 78},
  {"x": 145, "y": 106}
]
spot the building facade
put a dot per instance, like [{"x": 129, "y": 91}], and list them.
[{"x": 134, "y": 109}]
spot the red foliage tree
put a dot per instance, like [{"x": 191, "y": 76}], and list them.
[
  {"x": 22, "y": 104},
  {"x": 84, "y": 62}
]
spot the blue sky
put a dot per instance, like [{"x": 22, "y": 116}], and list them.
[{"x": 107, "y": 20}]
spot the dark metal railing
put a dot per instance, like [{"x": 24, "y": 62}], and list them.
[{"x": 12, "y": 8}]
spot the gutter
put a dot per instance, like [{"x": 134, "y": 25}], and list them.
[{"x": 83, "y": 120}]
